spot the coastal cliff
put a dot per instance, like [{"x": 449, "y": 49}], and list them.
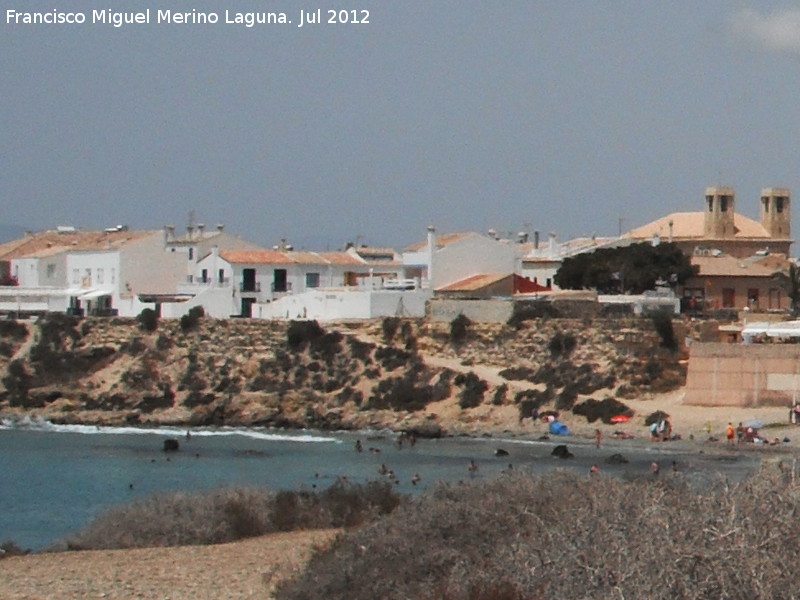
[{"x": 403, "y": 374}]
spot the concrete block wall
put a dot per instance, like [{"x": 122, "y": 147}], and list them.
[{"x": 743, "y": 374}]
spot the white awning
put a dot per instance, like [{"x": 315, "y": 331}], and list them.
[
  {"x": 781, "y": 329},
  {"x": 94, "y": 294}
]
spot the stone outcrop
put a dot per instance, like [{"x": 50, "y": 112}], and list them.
[{"x": 408, "y": 375}]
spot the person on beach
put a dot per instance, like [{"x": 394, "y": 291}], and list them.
[
  {"x": 473, "y": 467},
  {"x": 654, "y": 468},
  {"x": 730, "y": 432},
  {"x": 739, "y": 433},
  {"x": 598, "y": 436},
  {"x": 359, "y": 447}
]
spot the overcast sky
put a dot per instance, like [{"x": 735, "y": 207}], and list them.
[{"x": 467, "y": 115}]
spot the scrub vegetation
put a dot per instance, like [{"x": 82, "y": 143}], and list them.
[{"x": 568, "y": 536}]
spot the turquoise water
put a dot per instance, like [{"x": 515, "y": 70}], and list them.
[{"x": 54, "y": 479}]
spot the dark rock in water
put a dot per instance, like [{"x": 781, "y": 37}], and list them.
[
  {"x": 561, "y": 451},
  {"x": 616, "y": 459},
  {"x": 427, "y": 430},
  {"x": 171, "y": 445},
  {"x": 786, "y": 440},
  {"x": 501, "y": 452}
]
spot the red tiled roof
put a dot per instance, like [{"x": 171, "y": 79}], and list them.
[
  {"x": 473, "y": 282},
  {"x": 442, "y": 240},
  {"x": 48, "y": 242},
  {"x": 289, "y": 257}
]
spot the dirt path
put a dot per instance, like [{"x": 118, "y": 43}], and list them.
[{"x": 239, "y": 571}]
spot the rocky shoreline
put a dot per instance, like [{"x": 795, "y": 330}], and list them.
[{"x": 398, "y": 374}]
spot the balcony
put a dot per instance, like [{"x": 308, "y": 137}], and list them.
[
  {"x": 281, "y": 288},
  {"x": 252, "y": 287}
]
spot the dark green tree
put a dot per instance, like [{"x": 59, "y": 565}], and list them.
[
  {"x": 626, "y": 270},
  {"x": 790, "y": 283}
]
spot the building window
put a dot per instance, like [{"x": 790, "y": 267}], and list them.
[
  {"x": 312, "y": 280},
  {"x": 710, "y": 203},
  {"x": 204, "y": 275},
  {"x": 191, "y": 253},
  {"x": 51, "y": 271},
  {"x": 100, "y": 276},
  {"x": 752, "y": 298},
  {"x": 779, "y": 204},
  {"x": 774, "y": 298},
  {"x": 723, "y": 203},
  {"x": 221, "y": 276},
  {"x": 728, "y": 298}
]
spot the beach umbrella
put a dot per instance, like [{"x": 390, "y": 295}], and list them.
[
  {"x": 754, "y": 423},
  {"x": 620, "y": 419}
]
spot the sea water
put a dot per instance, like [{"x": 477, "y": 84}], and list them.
[{"x": 55, "y": 479}]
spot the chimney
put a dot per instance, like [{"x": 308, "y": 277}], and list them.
[
  {"x": 200, "y": 228},
  {"x": 535, "y": 240},
  {"x": 431, "y": 251},
  {"x": 220, "y": 227},
  {"x": 670, "y": 230},
  {"x": 551, "y": 248},
  {"x": 189, "y": 232},
  {"x": 169, "y": 232},
  {"x": 492, "y": 234}
]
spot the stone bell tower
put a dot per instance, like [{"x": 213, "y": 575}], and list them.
[
  {"x": 719, "y": 210},
  {"x": 775, "y": 212}
]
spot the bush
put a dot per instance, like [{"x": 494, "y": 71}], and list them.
[
  {"x": 459, "y": 328},
  {"x": 192, "y": 318},
  {"x": 229, "y": 514},
  {"x": 662, "y": 322},
  {"x": 569, "y": 536},
  {"x": 300, "y": 333},
  {"x": 389, "y": 325},
  {"x": 562, "y": 344},
  {"x": 147, "y": 319},
  {"x": 602, "y": 409},
  {"x": 473, "y": 389}
]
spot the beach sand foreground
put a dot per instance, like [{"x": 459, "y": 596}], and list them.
[{"x": 247, "y": 569}]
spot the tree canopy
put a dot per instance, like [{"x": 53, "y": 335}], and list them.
[
  {"x": 790, "y": 282},
  {"x": 626, "y": 270}
]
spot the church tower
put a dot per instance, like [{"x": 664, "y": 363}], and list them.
[
  {"x": 719, "y": 211},
  {"x": 775, "y": 212}
]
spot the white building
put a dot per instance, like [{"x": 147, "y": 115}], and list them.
[{"x": 233, "y": 282}]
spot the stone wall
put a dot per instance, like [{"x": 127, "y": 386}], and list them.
[{"x": 743, "y": 374}]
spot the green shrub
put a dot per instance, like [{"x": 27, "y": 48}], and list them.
[
  {"x": 562, "y": 344},
  {"x": 147, "y": 319},
  {"x": 459, "y": 329},
  {"x": 191, "y": 320},
  {"x": 300, "y": 333},
  {"x": 473, "y": 388},
  {"x": 662, "y": 322},
  {"x": 389, "y": 326}
]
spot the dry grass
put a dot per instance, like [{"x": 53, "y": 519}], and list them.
[
  {"x": 229, "y": 514},
  {"x": 568, "y": 536}
]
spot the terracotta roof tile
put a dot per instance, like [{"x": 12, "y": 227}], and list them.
[
  {"x": 729, "y": 266},
  {"x": 35, "y": 244},
  {"x": 689, "y": 225},
  {"x": 255, "y": 257},
  {"x": 442, "y": 240},
  {"x": 473, "y": 282}
]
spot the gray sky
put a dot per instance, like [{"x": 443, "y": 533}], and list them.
[{"x": 516, "y": 115}]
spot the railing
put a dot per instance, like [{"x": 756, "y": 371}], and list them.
[
  {"x": 250, "y": 286},
  {"x": 284, "y": 288}
]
